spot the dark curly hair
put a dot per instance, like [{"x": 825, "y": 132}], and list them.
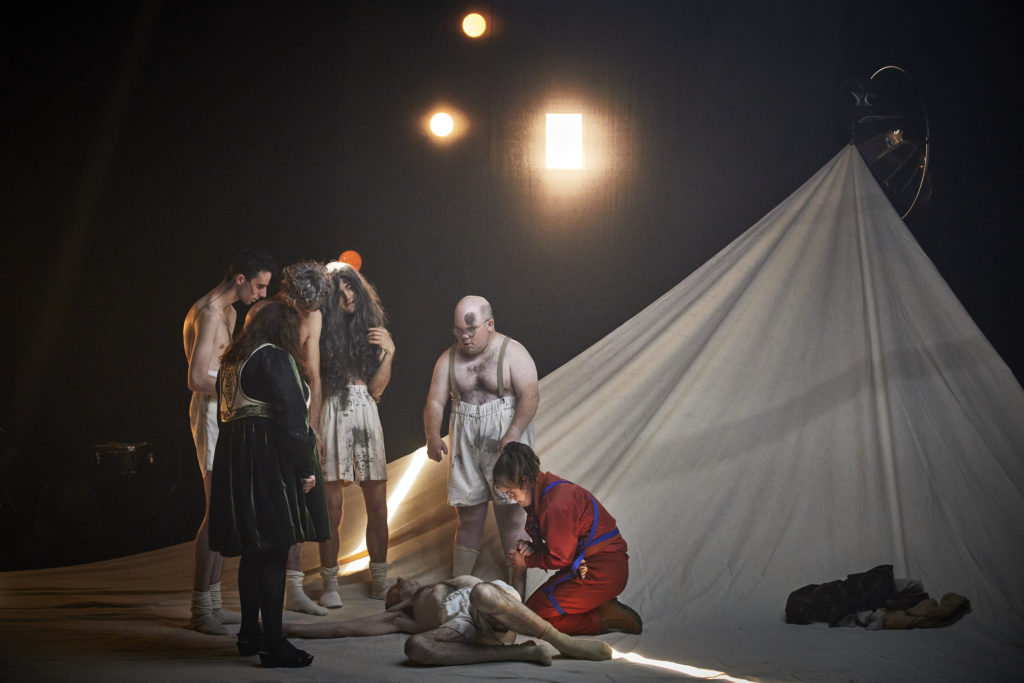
[
  {"x": 275, "y": 322},
  {"x": 517, "y": 466},
  {"x": 306, "y": 285},
  {"x": 345, "y": 354},
  {"x": 250, "y": 262}
]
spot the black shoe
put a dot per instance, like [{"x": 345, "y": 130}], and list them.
[
  {"x": 248, "y": 645},
  {"x": 284, "y": 654}
]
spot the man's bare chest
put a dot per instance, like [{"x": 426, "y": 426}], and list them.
[
  {"x": 477, "y": 379},
  {"x": 222, "y": 323}
]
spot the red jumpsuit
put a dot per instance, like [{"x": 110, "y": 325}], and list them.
[{"x": 559, "y": 521}]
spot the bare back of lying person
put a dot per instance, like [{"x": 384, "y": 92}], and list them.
[{"x": 459, "y": 621}]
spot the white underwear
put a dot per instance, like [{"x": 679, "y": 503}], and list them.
[
  {"x": 460, "y": 616},
  {"x": 475, "y": 431},
  {"x": 202, "y": 418},
  {"x": 353, "y": 438}
]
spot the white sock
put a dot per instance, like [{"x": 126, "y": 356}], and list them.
[
  {"x": 202, "y": 619},
  {"x": 216, "y": 608},
  {"x": 295, "y": 598},
  {"x": 576, "y": 647},
  {"x": 378, "y": 580},
  {"x": 330, "y": 597},
  {"x": 463, "y": 560}
]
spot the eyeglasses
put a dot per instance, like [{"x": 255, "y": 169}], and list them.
[{"x": 468, "y": 331}]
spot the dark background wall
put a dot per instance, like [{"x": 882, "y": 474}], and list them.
[{"x": 145, "y": 143}]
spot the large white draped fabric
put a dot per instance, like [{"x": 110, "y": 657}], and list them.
[{"x": 812, "y": 402}]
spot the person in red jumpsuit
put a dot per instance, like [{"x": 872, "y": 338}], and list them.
[{"x": 571, "y": 533}]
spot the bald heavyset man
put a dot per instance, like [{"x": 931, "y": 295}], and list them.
[
  {"x": 460, "y": 621},
  {"x": 208, "y": 327},
  {"x": 492, "y": 381}
]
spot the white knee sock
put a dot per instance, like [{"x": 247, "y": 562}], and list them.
[
  {"x": 219, "y": 613},
  {"x": 378, "y": 580},
  {"x": 463, "y": 560},
  {"x": 202, "y": 619},
  {"x": 576, "y": 647},
  {"x": 295, "y": 598},
  {"x": 330, "y": 597}
]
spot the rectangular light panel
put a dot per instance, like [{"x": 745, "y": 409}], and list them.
[{"x": 564, "y": 141}]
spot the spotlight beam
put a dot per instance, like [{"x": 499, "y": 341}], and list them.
[
  {"x": 360, "y": 559},
  {"x": 706, "y": 674}
]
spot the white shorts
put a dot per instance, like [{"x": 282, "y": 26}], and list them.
[
  {"x": 475, "y": 432},
  {"x": 202, "y": 418},
  {"x": 353, "y": 438},
  {"x": 460, "y": 616}
]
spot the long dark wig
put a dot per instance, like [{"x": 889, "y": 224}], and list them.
[
  {"x": 345, "y": 354},
  {"x": 275, "y": 323}
]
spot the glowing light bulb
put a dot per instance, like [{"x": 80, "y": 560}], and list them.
[
  {"x": 441, "y": 124},
  {"x": 474, "y": 25}
]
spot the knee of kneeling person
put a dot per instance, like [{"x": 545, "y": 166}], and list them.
[{"x": 419, "y": 649}]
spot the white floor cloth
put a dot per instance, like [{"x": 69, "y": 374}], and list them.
[{"x": 812, "y": 402}]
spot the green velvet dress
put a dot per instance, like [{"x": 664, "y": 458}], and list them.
[{"x": 264, "y": 450}]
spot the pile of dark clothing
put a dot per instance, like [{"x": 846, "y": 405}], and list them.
[{"x": 875, "y": 600}]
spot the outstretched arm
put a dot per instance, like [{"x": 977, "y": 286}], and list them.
[
  {"x": 378, "y": 624},
  {"x": 445, "y": 646}
]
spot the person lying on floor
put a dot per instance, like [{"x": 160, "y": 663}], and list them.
[{"x": 463, "y": 620}]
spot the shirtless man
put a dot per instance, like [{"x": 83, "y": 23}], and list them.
[
  {"x": 207, "y": 331},
  {"x": 492, "y": 381},
  {"x": 460, "y": 621},
  {"x": 306, "y": 286}
]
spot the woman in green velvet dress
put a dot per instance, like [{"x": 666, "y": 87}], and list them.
[{"x": 267, "y": 489}]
